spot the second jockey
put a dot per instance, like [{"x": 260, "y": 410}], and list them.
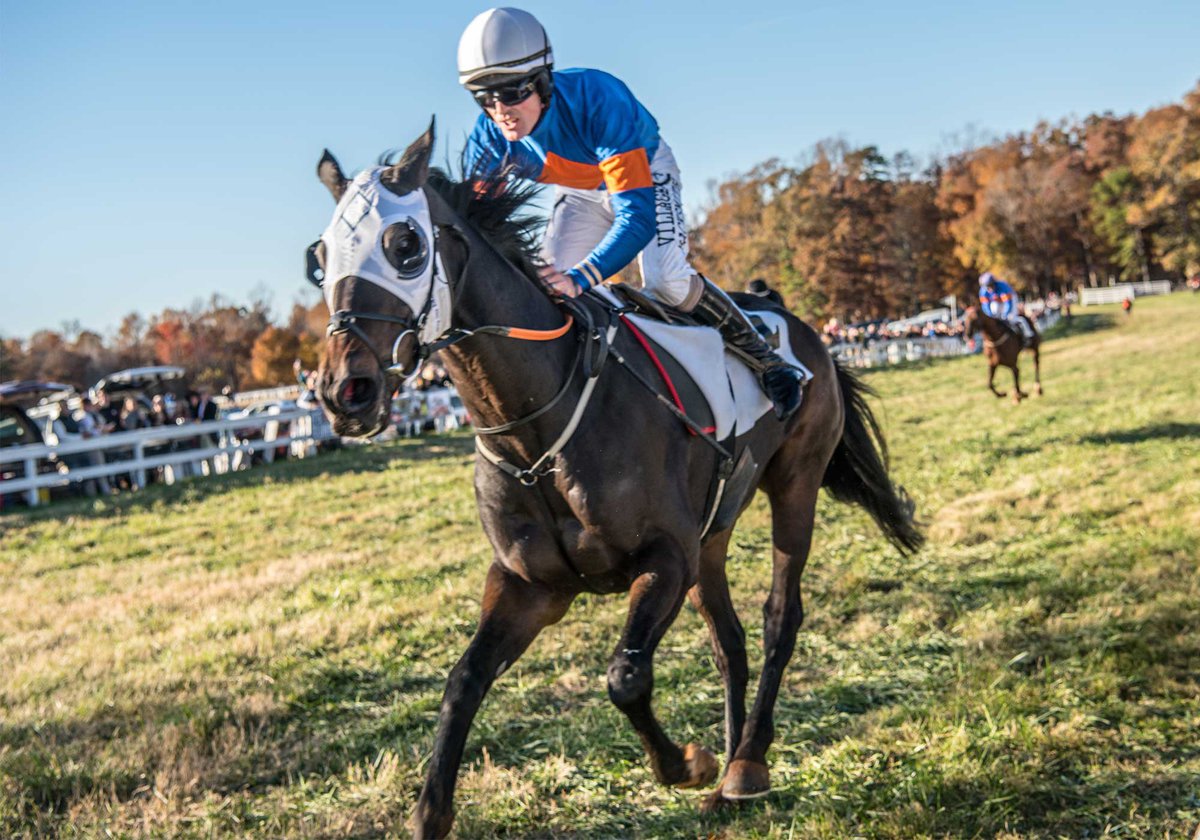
[
  {"x": 617, "y": 189},
  {"x": 998, "y": 300}
]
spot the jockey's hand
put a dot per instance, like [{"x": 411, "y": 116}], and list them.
[{"x": 557, "y": 283}]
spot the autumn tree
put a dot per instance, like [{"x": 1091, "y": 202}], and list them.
[{"x": 272, "y": 356}]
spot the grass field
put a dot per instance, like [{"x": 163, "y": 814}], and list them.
[{"x": 263, "y": 654}]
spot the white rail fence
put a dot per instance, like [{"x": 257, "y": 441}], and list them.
[
  {"x": 1121, "y": 291},
  {"x": 219, "y": 449},
  {"x": 896, "y": 350}
]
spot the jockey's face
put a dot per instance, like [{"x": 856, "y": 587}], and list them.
[{"x": 516, "y": 121}]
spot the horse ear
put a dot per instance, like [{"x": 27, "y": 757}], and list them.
[
  {"x": 331, "y": 175},
  {"x": 413, "y": 168}
]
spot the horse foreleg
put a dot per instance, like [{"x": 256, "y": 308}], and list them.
[
  {"x": 654, "y": 601},
  {"x": 992, "y": 380},
  {"x": 514, "y": 612},
  {"x": 711, "y": 598}
]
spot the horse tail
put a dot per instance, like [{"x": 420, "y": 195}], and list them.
[{"x": 858, "y": 471}]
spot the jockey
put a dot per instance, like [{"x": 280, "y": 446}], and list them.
[
  {"x": 997, "y": 299},
  {"x": 617, "y": 190}
]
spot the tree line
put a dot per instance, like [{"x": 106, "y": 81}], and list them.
[
  {"x": 220, "y": 343},
  {"x": 854, "y": 234}
]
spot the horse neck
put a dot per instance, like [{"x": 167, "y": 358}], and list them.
[
  {"x": 501, "y": 379},
  {"x": 993, "y": 328}
]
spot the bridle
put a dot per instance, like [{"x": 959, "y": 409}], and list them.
[
  {"x": 589, "y": 358},
  {"x": 346, "y": 321}
]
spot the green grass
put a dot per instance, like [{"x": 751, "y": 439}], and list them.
[{"x": 262, "y": 655}]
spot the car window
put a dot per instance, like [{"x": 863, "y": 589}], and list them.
[{"x": 14, "y": 431}]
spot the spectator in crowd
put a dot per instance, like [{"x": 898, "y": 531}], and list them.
[
  {"x": 62, "y": 428},
  {"x": 132, "y": 417},
  {"x": 159, "y": 415},
  {"x": 203, "y": 410},
  {"x": 107, "y": 414},
  {"x": 91, "y": 426}
]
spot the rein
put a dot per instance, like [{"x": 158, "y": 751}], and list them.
[{"x": 989, "y": 342}]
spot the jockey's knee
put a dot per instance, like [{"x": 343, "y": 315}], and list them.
[{"x": 679, "y": 292}]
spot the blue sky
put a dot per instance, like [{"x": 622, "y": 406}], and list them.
[{"x": 159, "y": 152}]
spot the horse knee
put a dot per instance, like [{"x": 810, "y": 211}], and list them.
[{"x": 629, "y": 682}]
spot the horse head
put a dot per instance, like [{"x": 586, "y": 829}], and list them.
[
  {"x": 378, "y": 266},
  {"x": 970, "y": 320}
]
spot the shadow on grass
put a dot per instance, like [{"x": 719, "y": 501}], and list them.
[
  {"x": 1155, "y": 431},
  {"x": 367, "y": 458},
  {"x": 1081, "y": 325}
]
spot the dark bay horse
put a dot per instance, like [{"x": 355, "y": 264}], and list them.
[
  {"x": 619, "y": 504},
  {"x": 1002, "y": 345}
]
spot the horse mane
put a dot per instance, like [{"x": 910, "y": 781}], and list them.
[{"x": 497, "y": 208}]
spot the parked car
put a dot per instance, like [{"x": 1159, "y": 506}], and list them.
[
  {"x": 16, "y": 429},
  {"x": 145, "y": 381}
]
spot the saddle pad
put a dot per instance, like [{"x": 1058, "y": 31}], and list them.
[{"x": 727, "y": 383}]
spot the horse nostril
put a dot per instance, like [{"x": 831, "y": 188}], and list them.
[{"x": 356, "y": 393}]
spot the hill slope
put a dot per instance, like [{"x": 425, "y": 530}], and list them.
[{"x": 263, "y": 654}]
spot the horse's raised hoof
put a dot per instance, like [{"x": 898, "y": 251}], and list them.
[
  {"x": 701, "y": 767},
  {"x": 745, "y": 780}
]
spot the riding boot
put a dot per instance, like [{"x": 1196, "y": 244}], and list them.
[{"x": 780, "y": 381}]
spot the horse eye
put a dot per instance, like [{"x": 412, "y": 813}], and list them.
[{"x": 404, "y": 246}]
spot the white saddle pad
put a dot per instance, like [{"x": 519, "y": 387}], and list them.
[{"x": 731, "y": 388}]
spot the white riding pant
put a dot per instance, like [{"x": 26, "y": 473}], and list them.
[
  {"x": 581, "y": 219},
  {"x": 1021, "y": 325}
]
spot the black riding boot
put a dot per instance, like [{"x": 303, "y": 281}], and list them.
[{"x": 779, "y": 380}]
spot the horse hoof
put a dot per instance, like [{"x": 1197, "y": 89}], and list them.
[
  {"x": 746, "y": 780},
  {"x": 701, "y": 767},
  {"x": 428, "y": 827}
]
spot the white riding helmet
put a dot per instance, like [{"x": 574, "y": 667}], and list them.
[{"x": 502, "y": 42}]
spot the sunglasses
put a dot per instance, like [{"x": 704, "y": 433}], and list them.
[{"x": 509, "y": 95}]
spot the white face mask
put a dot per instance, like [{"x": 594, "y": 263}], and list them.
[{"x": 354, "y": 247}]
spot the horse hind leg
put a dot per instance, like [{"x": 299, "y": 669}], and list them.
[
  {"x": 1037, "y": 370},
  {"x": 654, "y": 601},
  {"x": 793, "y": 513}
]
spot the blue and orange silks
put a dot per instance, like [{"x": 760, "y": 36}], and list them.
[
  {"x": 594, "y": 136},
  {"x": 999, "y": 300}
]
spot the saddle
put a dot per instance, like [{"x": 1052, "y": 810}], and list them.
[{"x": 712, "y": 390}]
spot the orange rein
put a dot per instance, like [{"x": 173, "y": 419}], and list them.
[{"x": 540, "y": 335}]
